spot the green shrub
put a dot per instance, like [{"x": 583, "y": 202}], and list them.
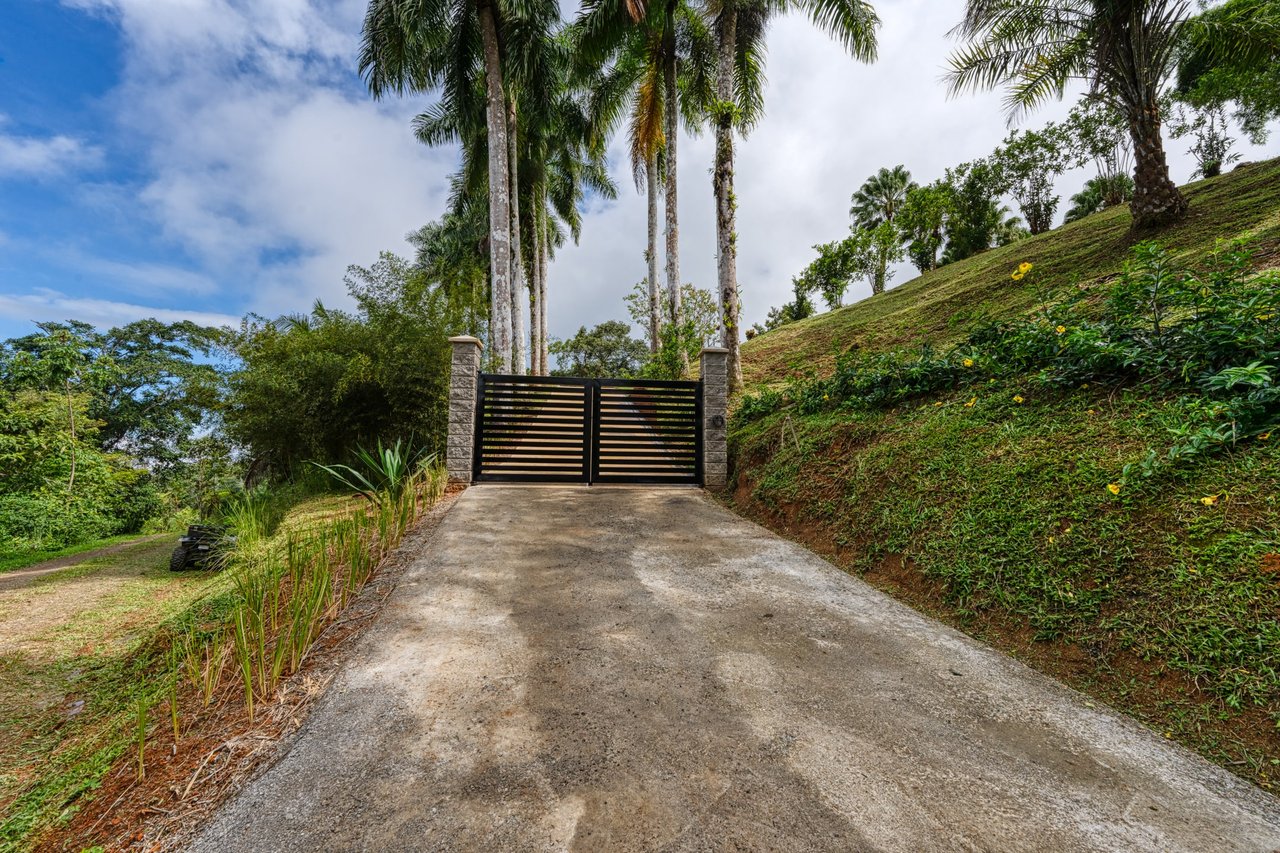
[{"x": 1211, "y": 336}]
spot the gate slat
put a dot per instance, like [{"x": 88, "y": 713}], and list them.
[{"x": 570, "y": 430}]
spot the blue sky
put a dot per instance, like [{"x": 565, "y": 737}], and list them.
[{"x": 204, "y": 158}]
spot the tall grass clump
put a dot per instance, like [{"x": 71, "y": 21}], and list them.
[{"x": 289, "y": 581}]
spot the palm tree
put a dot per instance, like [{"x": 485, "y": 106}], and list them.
[
  {"x": 739, "y": 27},
  {"x": 452, "y": 46},
  {"x": 881, "y": 196},
  {"x": 564, "y": 160},
  {"x": 640, "y": 59},
  {"x": 876, "y": 203},
  {"x": 1124, "y": 49},
  {"x": 1094, "y": 196}
]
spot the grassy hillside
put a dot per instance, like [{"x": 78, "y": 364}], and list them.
[
  {"x": 987, "y": 503},
  {"x": 942, "y": 305}
]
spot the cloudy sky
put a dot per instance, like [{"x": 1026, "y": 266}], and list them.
[{"x": 204, "y": 158}]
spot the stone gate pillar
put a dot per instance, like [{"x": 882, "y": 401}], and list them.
[
  {"x": 715, "y": 411},
  {"x": 464, "y": 375}
]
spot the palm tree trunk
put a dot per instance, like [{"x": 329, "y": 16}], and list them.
[
  {"x": 544, "y": 252},
  {"x": 535, "y": 289},
  {"x": 517, "y": 257},
  {"x": 499, "y": 194},
  {"x": 651, "y": 253},
  {"x": 672, "y": 133},
  {"x": 1156, "y": 199},
  {"x": 722, "y": 179}
]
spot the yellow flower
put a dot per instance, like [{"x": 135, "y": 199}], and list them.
[
  {"x": 969, "y": 404},
  {"x": 1090, "y": 412},
  {"x": 1068, "y": 530},
  {"x": 1017, "y": 398},
  {"x": 1024, "y": 267},
  {"x": 826, "y": 396},
  {"x": 1050, "y": 540},
  {"x": 1062, "y": 330},
  {"x": 1113, "y": 488},
  {"x": 1209, "y": 500},
  {"x": 939, "y": 403},
  {"x": 1018, "y": 276},
  {"x": 1263, "y": 436},
  {"x": 968, "y": 362}
]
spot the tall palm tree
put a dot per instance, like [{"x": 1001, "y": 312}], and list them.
[
  {"x": 647, "y": 61},
  {"x": 451, "y": 46},
  {"x": 564, "y": 160},
  {"x": 1124, "y": 49},
  {"x": 876, "y": 203},
  {"x": 739, "y": 27}
]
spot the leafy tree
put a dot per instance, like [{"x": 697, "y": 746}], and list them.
[
  {"x": 1249, "y": 79},
  {"x": 317, "y": 385},
  {"x": 922, "y": 220},
  {"x": 881, "y": 196},
  {"x": 1098, "y": 133},
  {"x": 700, "y": 314},
  {"x": 877, "y": 203},
  {"x": 149, "y": 384},
  {"x": 604, "y": 351},
  {"x": 1124, "y": 49},
  {"x": 739, "y": 27},
  {"x": 797, "y": 309},
  {"x": 1028, "y": 162},
  {"x": 865, "y": 253},
  {"x": 1212, "y": 146},
  {"x": 975, "y": 218}
]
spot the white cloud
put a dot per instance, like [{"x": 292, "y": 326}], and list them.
[
  {"x": 268, "y": 165},
  {"x": 31, "y": 156},
  {"x": 829, "y": 124},
  {"x": 43, "y": 305}
]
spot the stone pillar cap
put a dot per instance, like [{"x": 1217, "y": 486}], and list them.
[
  {"x": 706, "y": 350},
  {"x": 467, "y": 339}
]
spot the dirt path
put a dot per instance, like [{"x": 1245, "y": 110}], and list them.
[
  {"x": 24, "y": 577},
  {"x": 639, "y": 669}
]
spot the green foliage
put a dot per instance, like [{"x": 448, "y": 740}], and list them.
[
  {"x": 313, "y": 386},
  {"x": 1211, "y": 146},
  {"x": 1028, "y": 162},
  {"x": 606, "y": 350},
  {"x": 976, "y": 221},
  {"x": 797, "y": 309},
  {"x": 384, "y": 473},
  {"x": 1215, "y": 336},
  {"x": 1210, "y": 78},
  {"x": 923, "y": 219},
  {"x": 1098, "y": 194}
]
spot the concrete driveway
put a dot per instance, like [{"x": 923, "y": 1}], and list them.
[{"x": 639, "y": 669}]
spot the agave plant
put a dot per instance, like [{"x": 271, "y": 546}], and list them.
[{"x": 388, "y": 471}]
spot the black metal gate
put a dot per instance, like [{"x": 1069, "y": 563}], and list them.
[{"x": 551, "y": 429}]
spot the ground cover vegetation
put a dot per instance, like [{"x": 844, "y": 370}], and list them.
[
  {"x": 1080, "y": 470},
  {"x": 978, "y": 460},
  {"x": 136, "y": 701}
]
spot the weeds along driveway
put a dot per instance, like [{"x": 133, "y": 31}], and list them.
[{"x": 640, "y": 669}]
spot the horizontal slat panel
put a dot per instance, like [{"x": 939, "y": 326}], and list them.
[
  {"x": 519, "y": 429},
  {"x": 647, "y": 383},
  {"x": 680, "y": 445},
  {"x": 653, "y": 453},
  {"x": 502, "y": 451}
]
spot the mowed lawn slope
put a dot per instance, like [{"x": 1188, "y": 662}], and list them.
[
  {"x": 943, "y": 305},
  {"x": 994, "y": 514}
]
